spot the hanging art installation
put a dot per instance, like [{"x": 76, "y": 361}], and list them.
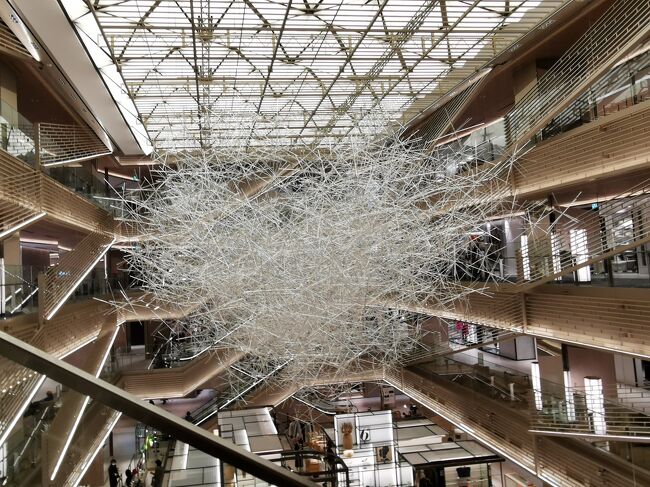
[{"x": 304, "y": 257}]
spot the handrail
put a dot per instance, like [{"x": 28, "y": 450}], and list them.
[
  {"x": 616, "y": 319},
  {"x": 33, "y": 358},
  {"x": 574, "y": 243},
  {"x": 506, "y": 431}
]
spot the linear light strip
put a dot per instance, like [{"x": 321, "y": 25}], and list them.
[
  {"x": 72, "y": 431},
  {"x": 68, "y": 439},
  {"x": 76, "y": 159},
  {"x": 86, "y": 465},
  {"x": 78, "y": 347},
  {"x": 83, "y": 276},
  {"x": 11, "y": 295},
  {"x": 107, "y": 352},
  {"x": 186, "y": 453},
  {"x": 606, "y": 436},
  {"x": 23, "y": 224},
  {"x": 24, "y": 301}
]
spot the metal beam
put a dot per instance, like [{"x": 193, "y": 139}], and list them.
[{"x": 115, "y": 398}]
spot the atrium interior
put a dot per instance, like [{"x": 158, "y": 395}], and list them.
[{"x": 391, "y": 243}]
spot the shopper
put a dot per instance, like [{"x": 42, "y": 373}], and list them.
[
  {"x": 128, "y": 477},
  {"x": 330, "y": 456},
  {"x": 158, "y": 474},
  {"x": 113, "y": 474}
]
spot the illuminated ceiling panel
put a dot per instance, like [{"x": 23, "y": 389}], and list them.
[{"x": 320, "y": 65}]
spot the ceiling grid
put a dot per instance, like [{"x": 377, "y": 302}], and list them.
[{"x": 318, "y": 66}]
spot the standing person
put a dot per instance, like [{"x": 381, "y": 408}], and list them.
[
  {"x": 188, "y": 417},
  {"x": 113, "y": 474},
  {"x": 298, "y": 459},
  {"x": 330, "y": 457},
  {"x": 158, "y": 474},
  {"x": 128, "y": 477}
]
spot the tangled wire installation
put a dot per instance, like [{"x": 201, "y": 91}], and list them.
[{"x": 305, "y": 257}]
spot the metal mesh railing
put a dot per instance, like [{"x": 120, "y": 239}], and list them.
[
  {"x": 66, "y": 143},
  {"x": 460, "y": 336}
]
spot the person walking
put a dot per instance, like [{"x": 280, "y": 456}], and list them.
[
  {"x": 128, "y": 477},
  {"x": 113, "y": 474}
]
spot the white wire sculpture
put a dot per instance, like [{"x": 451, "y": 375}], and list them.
[{"x": 292, "y": 254}]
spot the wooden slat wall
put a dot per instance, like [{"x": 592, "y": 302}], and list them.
[
  {"x": 142, "y": 307},
  {"x": 272, "y": 395},
  {"x": 280, "y": 390},
  {"x": 494, "y": 309},
  {"x": 614, "y": 323},
  {"x": 560, "y": 462},
  {"x": 60, "y": 279},
  {"x": 34, "y": 192},
  {"x": 94, "y": 427},
  {"x": 618, "y": 321},
  {"x": 617, "y": 31},
  {"x": 75, "y": 325},
  {"x": 12, "y": 215},
  {"x": 57, "y": 434},
  {"x": 611, "y": 145},
  {"x": 66, "y": 206}
]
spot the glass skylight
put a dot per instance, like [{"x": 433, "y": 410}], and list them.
[{"x": 319, "y": 65}]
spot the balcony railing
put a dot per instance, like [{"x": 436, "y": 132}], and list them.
[
  {"x": 572, "y": 243},
  {"x": 625, "y": 85}
]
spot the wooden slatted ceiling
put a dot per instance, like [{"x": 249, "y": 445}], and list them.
[{"x": 10, "y": 44}]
